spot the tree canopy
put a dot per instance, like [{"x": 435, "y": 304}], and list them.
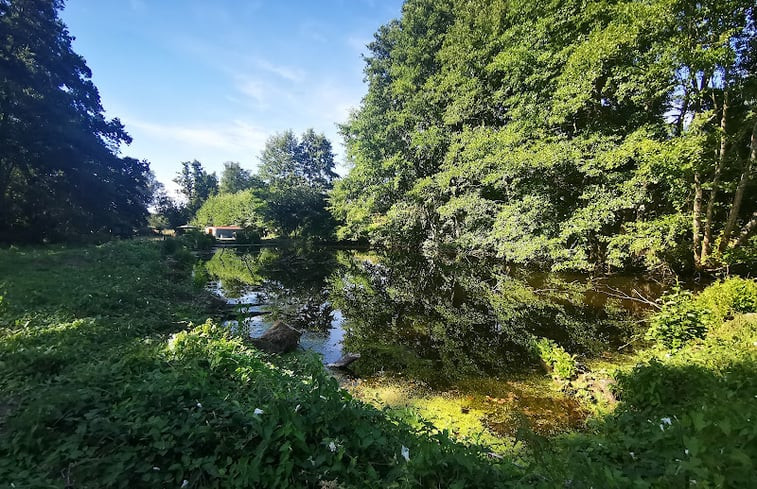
[
  {"x": 298, "y": 173},
  {"x": 234, "y": 178},
  {"x": 196, "y": 185},
  {"x": 61, "y": 175},
  {"x": 568, "y": 135}
]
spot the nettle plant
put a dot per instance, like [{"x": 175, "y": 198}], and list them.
[{"x": 680, "y": 320}]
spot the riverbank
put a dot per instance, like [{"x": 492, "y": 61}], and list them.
[
  {"x": 107, "y": 382},
  {"x": 112, "y": 377}
]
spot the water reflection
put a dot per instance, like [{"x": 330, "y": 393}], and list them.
[{"x": 437, "y": 320}]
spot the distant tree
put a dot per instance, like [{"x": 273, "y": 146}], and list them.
[
  {"x": 196, "y": 185},
  {"x": 234, "y": 179},
  {"x": 242, "y": 208},
  {"x": 60, "y": 173},
  {"x": 298, "y": 173}
]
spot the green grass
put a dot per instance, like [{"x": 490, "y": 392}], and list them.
[
  {"x": 111, "y": 376},
  {"x": 105, "y": 383}
]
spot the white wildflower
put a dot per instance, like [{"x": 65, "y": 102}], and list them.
[
  {"x": 633, "y": 455},
  {"x": 332, "y": 446},
  {"x": 199, "y": 405},
  {"x": 666, "y": 421},
  {"x": 184, "y": 483},
  {"x": 257, "y": 411},
  {"x": 405, "y": 452}
]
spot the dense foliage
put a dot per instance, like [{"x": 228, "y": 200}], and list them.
[
  {"x": 61, "y": 175},
  {"x": 196, "y": 186},
  {"x": 686, "y": 420},
  {"x": 572, "y": 135},
  {"x": 243, "y": 208},
  {"x": 298, "y": 173},
  {"x": 684, "y": 317},
  {"x": 234, "y": 179}
]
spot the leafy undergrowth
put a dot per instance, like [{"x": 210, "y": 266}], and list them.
[
  {"x": 105, "y": 383},
  {"x": 685, "y": 419},
  {"x": 102, "y": 388}
]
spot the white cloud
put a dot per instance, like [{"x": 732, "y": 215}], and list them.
[
  {"x": 233, "y": 137},
  {"x": 289, "y": 73}
]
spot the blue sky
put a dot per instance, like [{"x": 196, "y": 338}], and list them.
[{"x": 212, "y": 80}]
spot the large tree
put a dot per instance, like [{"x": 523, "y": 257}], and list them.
[
  {"x": 234, "y": 179},
  {"x": 196, "y": 185},
  {"x": 60, "y": 172},
  {"x": 571, "y": 135},
  {"x": 298, "y": 173}
]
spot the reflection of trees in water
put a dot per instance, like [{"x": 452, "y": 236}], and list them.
[
  {"x": 464, "y": 318},
  {"x": 292, "y": 281}
]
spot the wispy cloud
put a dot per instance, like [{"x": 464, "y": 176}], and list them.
[
  {"x": 314, "y": 31},
  {"x": 290, "y": 73},
  {"x": 235, "y": 136}
]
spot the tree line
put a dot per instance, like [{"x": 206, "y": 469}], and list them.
[
  {"x": 590, "y": 136},
  {"x": 578, "y": 135},
  {"x": 286, "y": 197}
]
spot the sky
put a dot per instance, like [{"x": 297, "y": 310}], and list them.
[{"x": 213, "y": 80}]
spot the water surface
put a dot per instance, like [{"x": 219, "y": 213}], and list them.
[{"x": 437, "y": 320}]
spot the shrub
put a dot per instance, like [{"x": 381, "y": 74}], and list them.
[
  {"x": 680, "y": 320},
  {"x": 248, "y": 235},
  {"x": 198, "y": 241},
  {"x": 684, "y": 317},
  {"x": 728, "y": 297},
  {"x": 561, "y": 363},
  {"x": 200, "y": 276}
]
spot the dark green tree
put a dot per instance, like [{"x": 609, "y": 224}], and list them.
[
  {"x": 60, "y": 172},
  {"x": 298, "y": 173},
  {"x": 196, "y": 185},
  {"x": 234, "y": 179}
]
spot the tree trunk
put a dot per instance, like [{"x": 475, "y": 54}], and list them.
[
  {"x": 697, "y": 219},
  {"x": 747, "y": 231},
  {"x": 709, "y": 215},
  {"x": 733, "y": 214}
]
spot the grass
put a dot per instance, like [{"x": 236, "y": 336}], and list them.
[{"x": 112, "y": 376}]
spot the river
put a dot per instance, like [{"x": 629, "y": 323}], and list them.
[{"x": 437, "y": 320}]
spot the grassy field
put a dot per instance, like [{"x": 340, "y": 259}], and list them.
[{"x": 111, "y": 375}]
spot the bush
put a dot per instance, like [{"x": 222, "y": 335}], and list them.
[
  {"x": 728, "y": 297},
  {"x": 561, "y": 363},
  {"x": 684, "y": 317},
  {"x": 680, "y": 320},
  {"x": 248, "y": 235}
]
